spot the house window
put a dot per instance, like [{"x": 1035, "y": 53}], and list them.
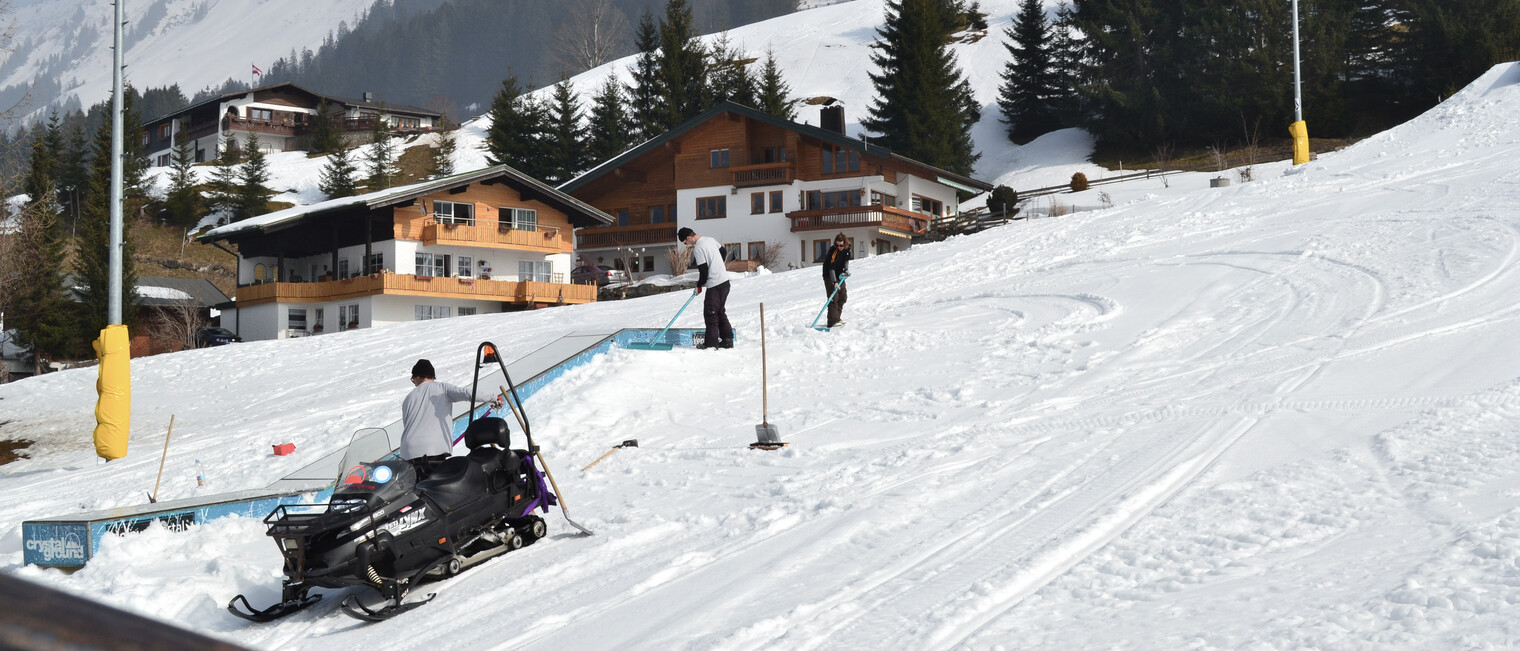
[
  {"x": 756, "y": 251},
  {"x": 927, "y": 206},
  {"x": 718, "y": 158},
  {"x": 316, "y": 322},
  {"x": 773, "y": 155},
  {"x": 648, "y": 263},
  {"x": 657, "y": 215},
  {"x": 776, "y": 201},
  {"x": 468, "y": 311},
  {"x": 539, "y": 271},
  {"x": 757, "y": 203},
  {"x": 375, "y": 264},
  {"x": 260, "y": 114},
  {"x": 164, "y": 131},
  {"x": 883, "y": 246},
  {"x": 522, "y": 219},
  {"x": 622, "y": 217},
  {"x": 802, "y": 255},
  {"x": 432, "y": 264},
  {"x": 838, "y": 160},
  {"x": 163, "y": 160},
  {"x": 145, "y": 138},
  {"x": 466, "y": 267},
  {"x": 731, "y": 252},
  {"x": 406, "y": 123},
  {"x": 426, "y": 312},
  {"x": 453, "y": 212},
  {"x": 820, "y": 249},
  {"x": 297, "y": 319},
  {"x": 342, "y": 268},
  {"x": 836, "y": 199},
  {"x": 712, "y": 207},
  {"x": 879, "y": 199},
  {"x": 348, "y": 316}
]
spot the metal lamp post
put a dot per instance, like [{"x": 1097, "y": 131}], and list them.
[{"x": 1299, "y": 129}]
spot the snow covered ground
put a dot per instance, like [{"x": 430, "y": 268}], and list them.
[{"x": 1280, "y": 414}]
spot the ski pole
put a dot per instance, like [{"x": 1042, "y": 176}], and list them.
[{"x": 827, "y": 303}]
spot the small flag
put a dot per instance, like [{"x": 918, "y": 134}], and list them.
[{"x": 256, "y": 70}]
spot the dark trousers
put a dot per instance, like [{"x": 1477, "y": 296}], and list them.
[
  {"x": 715, "y": 315},
  {"x": 836, "y": 306}
]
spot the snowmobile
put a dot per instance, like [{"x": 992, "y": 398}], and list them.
[{"x": 387, "y": 530}]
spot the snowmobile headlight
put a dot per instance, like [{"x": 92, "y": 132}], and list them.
[{"x": 290, "y": 543}]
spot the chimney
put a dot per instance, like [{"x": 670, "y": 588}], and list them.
[
  {"x": 832, "y": 118},
  {"x": 369, "y": 97}
]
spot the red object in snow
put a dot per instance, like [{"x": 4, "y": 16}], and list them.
[{"x": 284, "y": 449}]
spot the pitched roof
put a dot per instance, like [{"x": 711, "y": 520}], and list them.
[
  {"x": 580, "y": 213},
  {"x": 947, "y": 177},
  {"x": 388, "y": 106}
]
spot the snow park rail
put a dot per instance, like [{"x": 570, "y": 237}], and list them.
[{"x": 69, "y": 541}]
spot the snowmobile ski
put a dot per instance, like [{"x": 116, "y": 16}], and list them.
[
  {"x": 277, "y": 611},
  {"x": 356, "y": 610}
]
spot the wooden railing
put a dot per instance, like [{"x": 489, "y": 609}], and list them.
[
  {"x": 280, "y": 127},
  {"x": 638, "y": 235},
  {"x": 896, "y": 219},
  {"x": 201, "y": 130},
  {"x": 763, "y": 174},
  {"x": 546, "y": 239},
  {"x": 510, "y": 291}
]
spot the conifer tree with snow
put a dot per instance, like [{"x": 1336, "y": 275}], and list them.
[
  {"x": 565, "y": 138},
  {"x": 443, "y": 155},
  {"x": 253, "y": 191},
  {"x": 379, "y": 157},
  {"x": 40, "y": 309},
  {"x": 339, "y": 175},
  {"x": 610, "y": 130},
  {"x": 517, "y": 127},
  {"x": 682, "y": 63},
  {"x": 182, "y": 200},
  {"x": 774, "y": 94},
  {"x": 923, "y": 109},
  {"x": 645, "y": 94},
  {"x": 93, "y": 248},
  {"x": 1029, "y": 86}
]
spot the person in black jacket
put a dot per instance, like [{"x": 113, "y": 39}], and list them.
[{"x": 836, "y": 268}]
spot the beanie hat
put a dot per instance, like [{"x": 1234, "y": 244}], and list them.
[
  {"x": 684, "y": 233},
  {"x": 423, "y": 368}
]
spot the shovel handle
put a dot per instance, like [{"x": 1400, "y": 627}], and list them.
[{"x": 599, "y": 459}]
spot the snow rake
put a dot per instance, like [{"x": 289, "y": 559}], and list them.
[
  {"x": 826, "y": 305},
  {"x": 658, "y": 344}
]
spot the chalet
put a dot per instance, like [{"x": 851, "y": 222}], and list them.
[
  {"x": 281, "y": 114},
  {"x": 773, "y": 191},
  {"x": 485, "y": 241}
]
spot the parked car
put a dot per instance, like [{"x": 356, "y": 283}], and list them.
[
  {"x": 587, "y": 274},
  {"x": 215, "y": 337}
]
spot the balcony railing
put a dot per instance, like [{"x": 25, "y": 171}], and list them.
[
  {"x": 896, "y": 219},
  {"x": 546, "y": 239},
  {"x": 201, "y": 130},
  {"x": 612, "y": 236},
  {"x": 510, "y": 291},
  {"x": 278, "y": 127},
  {"x": 763, "y": 174}
]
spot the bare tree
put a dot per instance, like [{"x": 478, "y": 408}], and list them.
[
  {"x": 596, "y": 32},
  {"x": 1165, "y": 153},
  {"x": 771, "y": 256},
  {"x": 177, "y": 323},
  {"x": 679, "y": 257}
]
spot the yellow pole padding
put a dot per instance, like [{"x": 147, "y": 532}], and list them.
[
  {"x": 1300, "y": 132},
  {"x": 113, "y": 413}
]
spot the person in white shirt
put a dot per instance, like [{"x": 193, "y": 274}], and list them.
[
  {"x": 427, "y": 434},
  {"x": 712, "y": 275}
]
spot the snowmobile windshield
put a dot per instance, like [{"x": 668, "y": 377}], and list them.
[{"x": 367, "y": 485}]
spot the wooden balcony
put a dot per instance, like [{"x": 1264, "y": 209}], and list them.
[
  {"x": 499, "y": 235},
  {"x": 604, "y": 237},
  {"x": 277, "y": 127},
  {"x": 763, "y": 174},
  {"x": 897, "y": 219},
  {"x": 509, "y": 291}
]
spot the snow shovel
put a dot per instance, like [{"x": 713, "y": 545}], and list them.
[
  {"x": 767, "y": 436},
  {"x": 658, "y": 344},
  {"x": 510, "y": 397},
  {"x": 826, "y": 305},
  {"x": 630, "y": 443}
]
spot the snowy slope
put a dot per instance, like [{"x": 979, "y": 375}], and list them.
[{"x": 1281, "y": 414}]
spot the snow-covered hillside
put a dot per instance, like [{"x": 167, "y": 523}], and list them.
[
  {"x": 66, "y": 44},
  {"x": 1275, "y": 415}
]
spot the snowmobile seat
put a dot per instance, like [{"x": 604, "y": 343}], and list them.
[
  {"x": 487, "y": 439},
  {"x": 454, "y": 483}
]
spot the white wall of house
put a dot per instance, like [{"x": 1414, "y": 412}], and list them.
[{"x": 401, "y": 309}]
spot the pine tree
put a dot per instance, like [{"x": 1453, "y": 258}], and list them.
[
  {"x": 728, "y": 75},
  {"x": 516, "y": 133},
  {"x": 443, "y": 154},
  {"x": 610, "y": 131},
  {"x": 253, "y": 192},
  {"x": 73, "y": 175},
  {"x": 182, "y": 201},
  {"x": 566, "y": 138},
  {"x": 41, "y": 312},
  {"x": 923, "y": 108},
  {"x": 93, "y": 246},
  {"x": 645, "y": 95},
  {"x": 775, "y": 95},
  {"x": 57, "y": 147},
  {"x": 325, "y": 137},
  {"x": 380, "y": 157},
  {"x": 338, "y": 175},
  {"x": 1029, "y": 81},
  {"x": 682, "y": 64},
  {"x": 222, "y": 194}
]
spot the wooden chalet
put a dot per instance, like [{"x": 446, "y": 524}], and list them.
[
  {"x": 282, "y": 116},
  {"x": 486, "y": 241},
  {"x": 773, "y": 191}
]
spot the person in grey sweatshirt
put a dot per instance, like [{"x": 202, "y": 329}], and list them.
[{"x": 427, "y": 435}]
